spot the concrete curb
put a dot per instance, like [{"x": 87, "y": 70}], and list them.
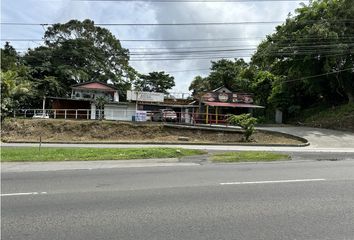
[{"x": 169, "y": 143}]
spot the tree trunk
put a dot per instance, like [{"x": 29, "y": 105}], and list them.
[{"x": 350, "y": 97}]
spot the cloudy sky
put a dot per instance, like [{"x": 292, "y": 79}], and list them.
[{"x": 243, "y": 37}]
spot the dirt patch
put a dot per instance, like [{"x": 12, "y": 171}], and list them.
[{"x": 56, "y": 130}]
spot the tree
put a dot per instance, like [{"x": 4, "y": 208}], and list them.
[
  {"x": 262, "y": 85},
  {"x": 198, "y": 86},
  {"x": 315, "y": 42},
  {"x": 9, "y": 58},
  {"x": 78, "y": 52},
  {"x": 246, "y": 122},
  {"x": 14, "y": 90},
  {"x": 100, "y": 102},
  {"x": 230, "y": 74},
  {"x": 155, "y": 82},
  {"x": 235, "y": 75}
]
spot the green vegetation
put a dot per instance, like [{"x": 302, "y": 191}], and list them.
[
  {"x": 246, "y": 122},
  {"x": 312, "y": 57},
  {"x": 307, "y": 61},
  {"x": 32, "y": 154},
  {"x": 155, "y": 82},
  {"x": 336, "y": 117},
  {"x": 73, "y": 52},
  {"x": 248, "y": 157}
]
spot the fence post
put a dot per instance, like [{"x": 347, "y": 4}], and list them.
[
  {"x": 55, "y": 113},
  {"x": 25, "y": 113},
  {"x": 76, "y": 114},
  {"x": 88, "y": 114},
  {"x": 65, "y": 114}
]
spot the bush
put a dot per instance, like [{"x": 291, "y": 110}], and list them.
[{"x": 246, "y": 122}]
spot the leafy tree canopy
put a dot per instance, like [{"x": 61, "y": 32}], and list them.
[
  {"x": 9, "y": 58},
  {"x": 235, "y": 75},
  {"x": 77, "y": 52},
  {"x": 14, "y": 91},
  {"x": 318, "y": 40},
  {"x": 229, "y": 74},
  {"x": 155, "y": 82},
  {"x": 199, "y": 85}
]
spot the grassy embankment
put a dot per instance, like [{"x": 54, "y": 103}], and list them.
[
  {"x": 337, "y": 117},
  {"x": 32, "y": 154},
  {"x": 249, "y": 157},
  {"x": 88, "y": 131}
]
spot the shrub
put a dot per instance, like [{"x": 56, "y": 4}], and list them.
[{"x": 246, "y": 122}]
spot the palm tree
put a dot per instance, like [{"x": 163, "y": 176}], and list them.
[
  {"x": 100, "y": 102},
  {"x": 13, "y": 88}
]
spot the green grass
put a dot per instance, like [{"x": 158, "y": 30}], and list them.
[
  {"x": 249, "y": 157},
  {"x": 32, "y": 154},
  {"x": 336, "y": 117},
  {"x": 329, "y": 112}
]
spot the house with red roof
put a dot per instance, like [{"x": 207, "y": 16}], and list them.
[{"x": 82, "y": 103}]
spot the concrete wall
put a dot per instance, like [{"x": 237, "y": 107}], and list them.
[{"x": 119, "y": 112}]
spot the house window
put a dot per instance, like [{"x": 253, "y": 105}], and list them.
[{"x": 85, "y": 95}]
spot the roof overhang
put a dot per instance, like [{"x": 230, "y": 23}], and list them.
[
  {"x": 234, "y": 105},
  {"x": 168, "y": 105}
]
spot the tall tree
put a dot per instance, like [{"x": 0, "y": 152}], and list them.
[
  {"x": 229, "y": 74},
  {"x": 78, "y": 52},
  {"x": 155, "y": 82},
  {"x": 9, "y": 58},
  {"x": 198, "y": 86},
  {"x": 235, "y": 75},
  {"x": 317, "y": 41},
  {"x": 16, "y": 87},
  {"x": 14, "y": 91}
]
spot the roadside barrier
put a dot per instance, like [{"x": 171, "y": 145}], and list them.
[{"x": 186, "y": 117}]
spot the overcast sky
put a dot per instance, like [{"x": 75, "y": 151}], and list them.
[{"x": 53, "y": 11}]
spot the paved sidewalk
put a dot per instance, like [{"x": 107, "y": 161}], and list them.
[{"x": 318, "y": 137}]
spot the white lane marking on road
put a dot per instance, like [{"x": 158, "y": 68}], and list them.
[
  {"x": 22, "y": 194},
  {"x": 275, "y": 181}
]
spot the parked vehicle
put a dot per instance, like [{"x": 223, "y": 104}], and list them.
[{"x": 165, "y": 115}]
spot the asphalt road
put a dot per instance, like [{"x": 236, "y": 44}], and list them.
[{"x": 284, "y": 200}]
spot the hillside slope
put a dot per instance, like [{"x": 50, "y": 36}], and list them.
[
  {"x": 338, "y": 117},
  {"x": 57, "y": 130}
]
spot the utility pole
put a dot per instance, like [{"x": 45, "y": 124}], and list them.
[
  {"x": 43, "y": 113},
  {"x": 136, "y": 101}
]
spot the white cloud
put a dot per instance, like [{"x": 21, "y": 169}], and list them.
[{"x": 124, "y": 12}]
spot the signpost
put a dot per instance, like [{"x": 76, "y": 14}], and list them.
[{"x": 140, "y": 116}]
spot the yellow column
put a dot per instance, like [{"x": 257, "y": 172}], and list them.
[
  {"x": 207, "y": 114},
  {"x": 216, "y": 114}
]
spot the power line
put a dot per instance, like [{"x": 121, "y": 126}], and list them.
[
  {"x": 188, "y": 70},
  {"x": 185, "y": 58},
  {"x": 319, "y": 75},
  {"x": 146, "y": 40},
  {"x": 188, "y": 52},
  {"x": 185, "y": 40},
  {"x": 184, "y": 24},
  {"x": 192, "y": 1},
  {"x": 153, "y": 24},
  {"x": 294, "y": 47}
]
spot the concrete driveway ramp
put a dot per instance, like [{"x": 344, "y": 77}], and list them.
[{"x": 318, "y": 137}]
